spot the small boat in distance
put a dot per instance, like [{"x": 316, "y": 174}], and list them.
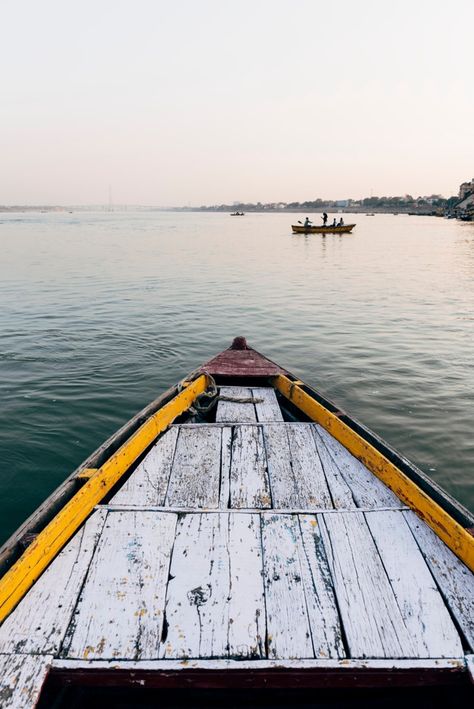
[
  {"x": 237, "y": 214},
  {"x": 312, "y": 229}
]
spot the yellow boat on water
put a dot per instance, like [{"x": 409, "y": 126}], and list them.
[{"x": 312, "y": 229}]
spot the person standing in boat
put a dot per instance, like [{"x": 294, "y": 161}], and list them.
[{"x": 325, "y": 218}]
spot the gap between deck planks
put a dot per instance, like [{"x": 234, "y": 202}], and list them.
[
  {"x": 282, "y": 466},
  {"x": 241, "y": 585}
]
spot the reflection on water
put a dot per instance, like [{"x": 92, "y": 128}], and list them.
[{"x": 102, "y": 311}]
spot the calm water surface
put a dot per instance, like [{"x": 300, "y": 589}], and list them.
[{"x": 102, "y": 311}]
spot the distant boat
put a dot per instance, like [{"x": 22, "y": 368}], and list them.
[
  {"x": 237, "y": 214},
  {"x": 302, "y": 229},
  {"x": 370, "y": 215}
]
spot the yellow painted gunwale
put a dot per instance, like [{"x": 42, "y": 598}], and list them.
[
  {"x": 49, "y": 542},
  {"x": 458, "y": 539}
]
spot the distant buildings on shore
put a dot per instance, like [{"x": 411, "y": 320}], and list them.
[{"x": 464, "y": 207}]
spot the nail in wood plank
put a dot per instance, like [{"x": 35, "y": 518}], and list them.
[
  {"x": 38, "y": 624},
  {"x": 424, "y": 613},
  {"x": 372, "y": 620},
  {"x": 234, "y": 411},
  {"x": 454, "y": 579},
  {"x": 21, "y": 679},
  {"x": 196, "y": 470},
  {"x": 147, "y": 485},
  {"x": 120, "y": 609}
]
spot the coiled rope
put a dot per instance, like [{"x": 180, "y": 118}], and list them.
[{"x": 212, "y": 392}]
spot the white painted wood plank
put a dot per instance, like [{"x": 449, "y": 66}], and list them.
[
  {"x": 226, "y": 457},
  {"x": 269, "y": 408},
  {"x": 197, "y": 605},
  {"x": 282, "y": 481},
  {"x": 454, "y": 579},
  {"x": 424, "y": 613},
  {"x": 288, "y": 628},
  {"x": 196, "y": 470},
  {"x": 249, "y": 485},
  {"x": 247, "y": 621},
  {"x": 308, "y": 472},
  {"x": 372, "y": 621},
  {"x": 341, "y": 494},
  {"x": 233, "y": 411},
  {"x": 21, "y": 679},
  {"x": 245, "y": 510},
  {"x": 319, "y": 591},
  {"x": 120, "y": 610},
  {"x": 147, "y": 485},
  {"x": 344, "y": 665},
  {"x": 39, "y": 622},
  {"x": 367, "y": 489}
]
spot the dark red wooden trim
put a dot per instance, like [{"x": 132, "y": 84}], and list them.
[
  {"x": 240, "y": 360},
  {"x": 258, "y": 679}
]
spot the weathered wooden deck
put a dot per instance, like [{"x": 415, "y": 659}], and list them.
[{"x": 246, "y": 543}]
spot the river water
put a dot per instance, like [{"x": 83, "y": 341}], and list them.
[{"x": 102, "y": 311}]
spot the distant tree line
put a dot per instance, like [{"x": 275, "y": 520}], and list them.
[{"x": 392, "y": 204}]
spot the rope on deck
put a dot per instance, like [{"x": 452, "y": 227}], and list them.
[{"x": 212, "y": 392}]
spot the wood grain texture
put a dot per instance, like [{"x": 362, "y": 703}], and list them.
[
  {"x": 249, "y": 485},
  {"x": 288, "y": 626},
  {"x": 454, "y": 579},
  {"x": 21, "y": 679},
  {"x": 341, "y": 494},
  {"x": 343, "y": 665},
  {"x": 367, "y": 490},
  {"x": 247, "y": 623},
  {"x": 280, "y": 471},
  {"x": 226, "y": 458},
  {"x": 214, "y": 605},
  {"x": 269, "y": 408},
  {"x": 147, "y": 485},
  {"x": 319, "y": 591},
  {"x": 310, "y": 480},
  {"x": 120, "y": 609},
  {"x": 372, "y": 620},
  {"x": 234, "y": 411},
  {"x": 196, "y": 469},
  {"x": 38, "y": 624},
  {"x": 424, "y": 614}
]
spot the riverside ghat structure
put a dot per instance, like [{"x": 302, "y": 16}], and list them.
[{"x": 240, "y": 533}]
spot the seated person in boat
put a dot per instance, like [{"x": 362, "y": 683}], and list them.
[
  {"x": 307, "y": 222},
  {"x": 334, "y": 222},
  {"x": 341, "y": 222}
]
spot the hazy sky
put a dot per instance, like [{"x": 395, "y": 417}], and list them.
[{"x": 208, "y": 101}]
